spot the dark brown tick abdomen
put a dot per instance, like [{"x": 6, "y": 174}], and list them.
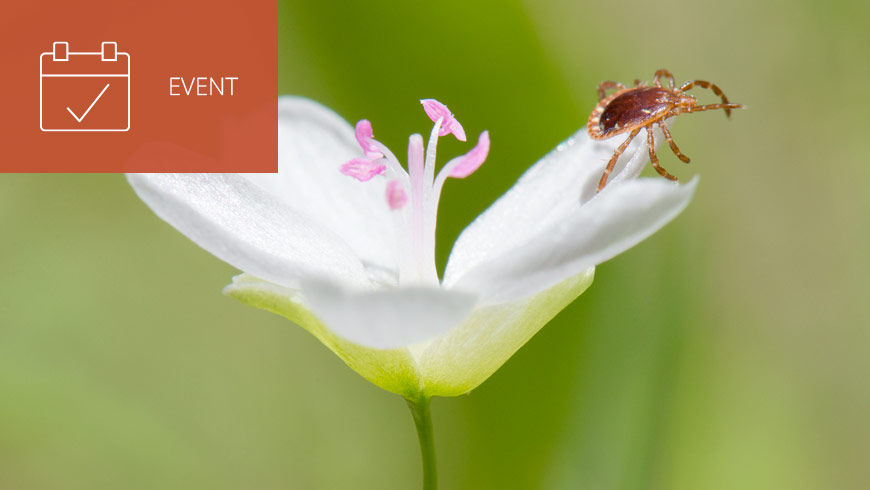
[{"x": 635, "y": 107}]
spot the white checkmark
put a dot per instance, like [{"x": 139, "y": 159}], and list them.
[{"x": 79, "y": 119}]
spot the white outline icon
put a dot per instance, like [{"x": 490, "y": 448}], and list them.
[{"x": 61, "y": 53}]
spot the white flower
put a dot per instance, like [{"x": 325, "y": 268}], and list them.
[{"x": 349, "y": 255}]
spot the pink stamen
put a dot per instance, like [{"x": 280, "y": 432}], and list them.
[
  {"x": 415, "y": 163},
  {"x": 449, "y": 124},
  {"x": 396, "y": 196},
  {"x": 363, "y": 169},
  {"x": 418, "y": 199},
  {"x": 471, "y": 161},
  {"x": 364, "y": 135},
  {"x": 418, "y": 187}
]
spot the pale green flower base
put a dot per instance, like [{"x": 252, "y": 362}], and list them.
[{"x": 451, "y": 364}]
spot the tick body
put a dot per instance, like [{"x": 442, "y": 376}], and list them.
[{"x": 628, "y": 110}]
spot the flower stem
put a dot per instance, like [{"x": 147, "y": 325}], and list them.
[{"x": 423, "y": 421}]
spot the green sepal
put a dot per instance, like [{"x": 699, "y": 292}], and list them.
[
  {"x": 451, "y": 364},
  {"x": 392, "y": 369}
]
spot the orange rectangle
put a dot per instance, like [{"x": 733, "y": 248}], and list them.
[{"x": 90, "y": 86}]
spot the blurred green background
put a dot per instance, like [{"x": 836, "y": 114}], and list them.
[{"x": 729, "y": 351}]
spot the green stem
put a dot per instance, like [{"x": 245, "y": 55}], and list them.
[{"x": 423, "y": 421}]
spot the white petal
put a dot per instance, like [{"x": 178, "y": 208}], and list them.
[
  {"x": 313, "y": 143},
  {"x": 387, "y": 318},
  {"x": 617, "y": 219},
  {"x": 547, "y": 193},
  {"x": 247, "y": 228}
]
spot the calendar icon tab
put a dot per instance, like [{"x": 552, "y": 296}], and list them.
[
  {"x": 156, "y": 86},
  {"x": 84, "y": 91}
]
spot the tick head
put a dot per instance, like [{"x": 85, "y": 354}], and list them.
[{"x": 686, "y": 101}]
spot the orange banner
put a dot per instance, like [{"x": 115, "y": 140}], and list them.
[{"x": 122, "y": 86}]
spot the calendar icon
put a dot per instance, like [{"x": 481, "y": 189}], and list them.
[{"x": 84, "y": 91}]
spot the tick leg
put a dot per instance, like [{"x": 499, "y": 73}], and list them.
[
  {"x": 606, "y": 85},
  {"x": 650, "y": 143},
  {"x": 708, "y": 107},
  {"x": 712, "y": 86},
  {"x": 671, "y": 143},
  {"x": 614, "y": 158},
  {"x": 665, "y": 73}
]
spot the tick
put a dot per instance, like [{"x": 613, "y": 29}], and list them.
[{"x": 628, "y": 110}]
